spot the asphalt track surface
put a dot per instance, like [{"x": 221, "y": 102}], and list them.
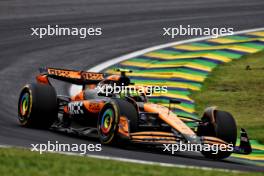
[{"x": 127, "y": 26}]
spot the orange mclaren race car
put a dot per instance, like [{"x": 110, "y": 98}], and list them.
[{"x": 116, "y": 117}]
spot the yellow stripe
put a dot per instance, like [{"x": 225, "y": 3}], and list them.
[
  {"x": 180, "y": 107},
  {"x": 222, "y": 40},
  {"x": 170, "y": 57},
  {"x": 261, "y": 33},
  {"x": 186, "y": 119},
  {"x": 218, "y": 57},
  {"x": 170, "y": 95},
  {"x": 169, "y": 75},
  {"x": 250, "y": 157},
  {"x": 258, "y": 147},
  {"x": 137, "y": 64},
  {"x": 189, "y": 110},
  {"x": 166, "y": 75},
  {"x": 171, "y": 84},
  {"x": 199, "y": 66},
  {"x": 232, "y": 47},
  {"x": 244, "y": 49},
  {"x": 188, "y": 56},
  {"x": 168, "y": 65},
  {"x": 229, "y": 41}
]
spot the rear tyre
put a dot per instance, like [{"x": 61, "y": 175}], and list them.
[
  {"x": 37, "y": 106},
  {"x": 224, "y": 128}
]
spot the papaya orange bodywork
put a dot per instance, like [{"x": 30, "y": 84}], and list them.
[
  {"x": 94, "y": 107},
  {"x": 42, "y": 79},
  {"x": 113, "y": 77},
  {"x": 123, "y": 126},
  {"x": 214, "y": 139},
  {"x": 152, "y": 133},
  {"x": 160, "y": 142},
  {"x": 75, "y": 74},
  {"x": 78, "y": 97},
  {"x": 169, "y": 117}
]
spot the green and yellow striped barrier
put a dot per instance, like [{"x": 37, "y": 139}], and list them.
[{"x": 183, "y": 68}]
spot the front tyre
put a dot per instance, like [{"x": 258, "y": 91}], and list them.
[
  {"x": 37, "y": 106},
  {"x": 224, "y": 128}
]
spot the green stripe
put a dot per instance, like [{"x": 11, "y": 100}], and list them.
[
  {"x": 228, "y": 54},
  {"x": 163, "y": 51},
  {"x": 253, "y": 45},
  {"x": 237, "y": 37},
  {"x": 200, "y": 44}
]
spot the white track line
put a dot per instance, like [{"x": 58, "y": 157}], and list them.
[
  {"x": 133, "y": 161},
  {"x": 75, "y": 89}
]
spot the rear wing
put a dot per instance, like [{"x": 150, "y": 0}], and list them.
[{"x": 73, "y": 76}]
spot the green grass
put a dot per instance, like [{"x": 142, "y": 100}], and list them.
[
  {"x": 23, "y": 162},
  {"x": 233, "y": 88}
]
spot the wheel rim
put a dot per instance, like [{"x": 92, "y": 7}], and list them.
[
  {"x": 24, "y": 104},
  {"x": 107, "y": 121}
]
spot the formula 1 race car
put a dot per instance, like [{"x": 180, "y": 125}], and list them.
[{"x": 116, "y": 117}]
